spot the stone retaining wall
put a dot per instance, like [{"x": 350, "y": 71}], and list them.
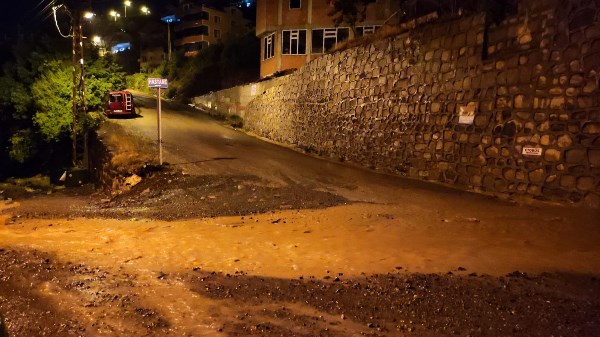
[{"x": 429, "y": 104}]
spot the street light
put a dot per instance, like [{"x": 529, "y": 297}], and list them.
[
  {"x": 168, "y": 19},
  {"x": 88, "y": 15},
  {"x": 114, "y": 14},
  {"x": 127, "y": 3},
  {"x": 145, "y": 10}
]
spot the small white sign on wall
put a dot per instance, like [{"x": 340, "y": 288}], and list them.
[
  {"x": 253, "y": 90},
  {"x": 466, "y": 113},
  {"x": 532, "y": 151}
]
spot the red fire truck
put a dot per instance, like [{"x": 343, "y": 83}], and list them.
[{"x": 120, "y": 103}]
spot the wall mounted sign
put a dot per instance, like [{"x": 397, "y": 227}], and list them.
[
  {"x": 466, "y": 113},
  {"x": 532, "y": 151}
]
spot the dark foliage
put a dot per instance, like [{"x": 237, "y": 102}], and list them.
[{"x": 233, "y": 62}]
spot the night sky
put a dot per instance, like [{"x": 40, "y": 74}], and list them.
[{"x": 35, "y": 15}]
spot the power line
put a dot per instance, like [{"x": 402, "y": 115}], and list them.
[{"x": 54, "y": 9}]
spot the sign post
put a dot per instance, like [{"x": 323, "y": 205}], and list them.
[{"x": 159, "y": 83}]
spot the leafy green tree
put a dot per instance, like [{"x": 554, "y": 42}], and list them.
[
  {"x": 52, "y": 93},
  {"x": 102, "y": 75},
  {"x": 22, "y": 145}
]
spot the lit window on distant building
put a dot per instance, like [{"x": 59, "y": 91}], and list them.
[
  {"x": 293, "y": 42},
  {"x": 325, "y": 39},
  {"x": 295, "y": 4},
  {"x": 120, "y": 47},
  {"x": 268, "y": 44}
]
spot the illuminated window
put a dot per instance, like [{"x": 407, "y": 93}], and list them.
[{"x": 293, "y": 42}]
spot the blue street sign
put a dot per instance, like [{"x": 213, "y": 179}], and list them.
[
  {"x": 170, "y": 19},
  {"x": 161, "y": 83}
]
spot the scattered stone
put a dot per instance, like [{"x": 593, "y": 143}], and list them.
[{"x": 132, "y": 180}]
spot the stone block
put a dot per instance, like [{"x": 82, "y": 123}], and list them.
[
  {"x": 551, "y": 178},
  {"x": 536, "y": 176},
  {"x": 448, "y": 147},
  {"x": 564, "y": 140},
  {"x": 509, "y": 173},
  {"x": 546, "y": 140},
  {"x": 552, "y": 155},
  {"x": 534, "y": 189},
  {"x": 521, "y": 102},
  {"x": 594, "y": 158},
  {"x": 481, "y": 120},
  {"x": 491, "y": 151},
  {"x": 512, "y": 76},
  {"x": 584, "y": 102},
  {"x": 571, "y": 92},
  {"x": 576, "y": 80},
  {"x": 590, "y": 86},
  {"x": 575, "y": 156},
  {"x": 591, "y": 128},
  {"x": 586, "y": 183},
  {"x": 474, "y": 138},
  {"x": 592, "y": 200},
  {"x": 567, "y": 181}
]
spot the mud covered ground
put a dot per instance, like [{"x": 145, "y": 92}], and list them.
[
  {"x": 42, "y": 295},
  {"x": 173, "y": 254},
  {"x": 171, "y": 195},
  {"x": 96, "y": 302}
]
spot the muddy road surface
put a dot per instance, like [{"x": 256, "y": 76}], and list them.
[{"x": 217, "y": 248}]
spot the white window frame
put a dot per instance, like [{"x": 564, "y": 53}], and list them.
[
  {"x": 328, "y": 33},
  {"x": 368, "y": 30},
  {"x": 269, "y": 46},
  {"x": 294, "y": 36},
  {"x": 299, "y": 4}
]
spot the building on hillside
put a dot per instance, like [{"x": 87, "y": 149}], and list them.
[
  {"x": 293, "y": 32},
  {"x": 153, "y": 46},
  {"x": 203, "y": 23}
]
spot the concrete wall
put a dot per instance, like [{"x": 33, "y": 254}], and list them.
[
  {"x": 233, "y": 101},
  {"x": 525, "y": 120}
]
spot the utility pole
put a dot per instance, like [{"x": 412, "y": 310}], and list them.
[
  {"x": 82, "y": 91},
  {"x": 75, "y": 18},
  {"x": 78, "y": 94}
]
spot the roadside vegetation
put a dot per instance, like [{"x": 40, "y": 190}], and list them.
[
  {"x": 36, "y": 118},
  {"x": 235, "y": 61}
]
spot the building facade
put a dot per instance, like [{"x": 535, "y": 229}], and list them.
[
  {"x": 202, "y": 25},
  {"x": 293, "y": 32}
]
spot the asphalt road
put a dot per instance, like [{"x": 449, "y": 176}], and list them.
[{"x": 201, "y": 145}]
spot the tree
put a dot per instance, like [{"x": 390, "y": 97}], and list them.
[
  {"x": 36, "y": 103},
  {"x": 52, "y": 93},
  {"x": 349, "y": 12}
]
